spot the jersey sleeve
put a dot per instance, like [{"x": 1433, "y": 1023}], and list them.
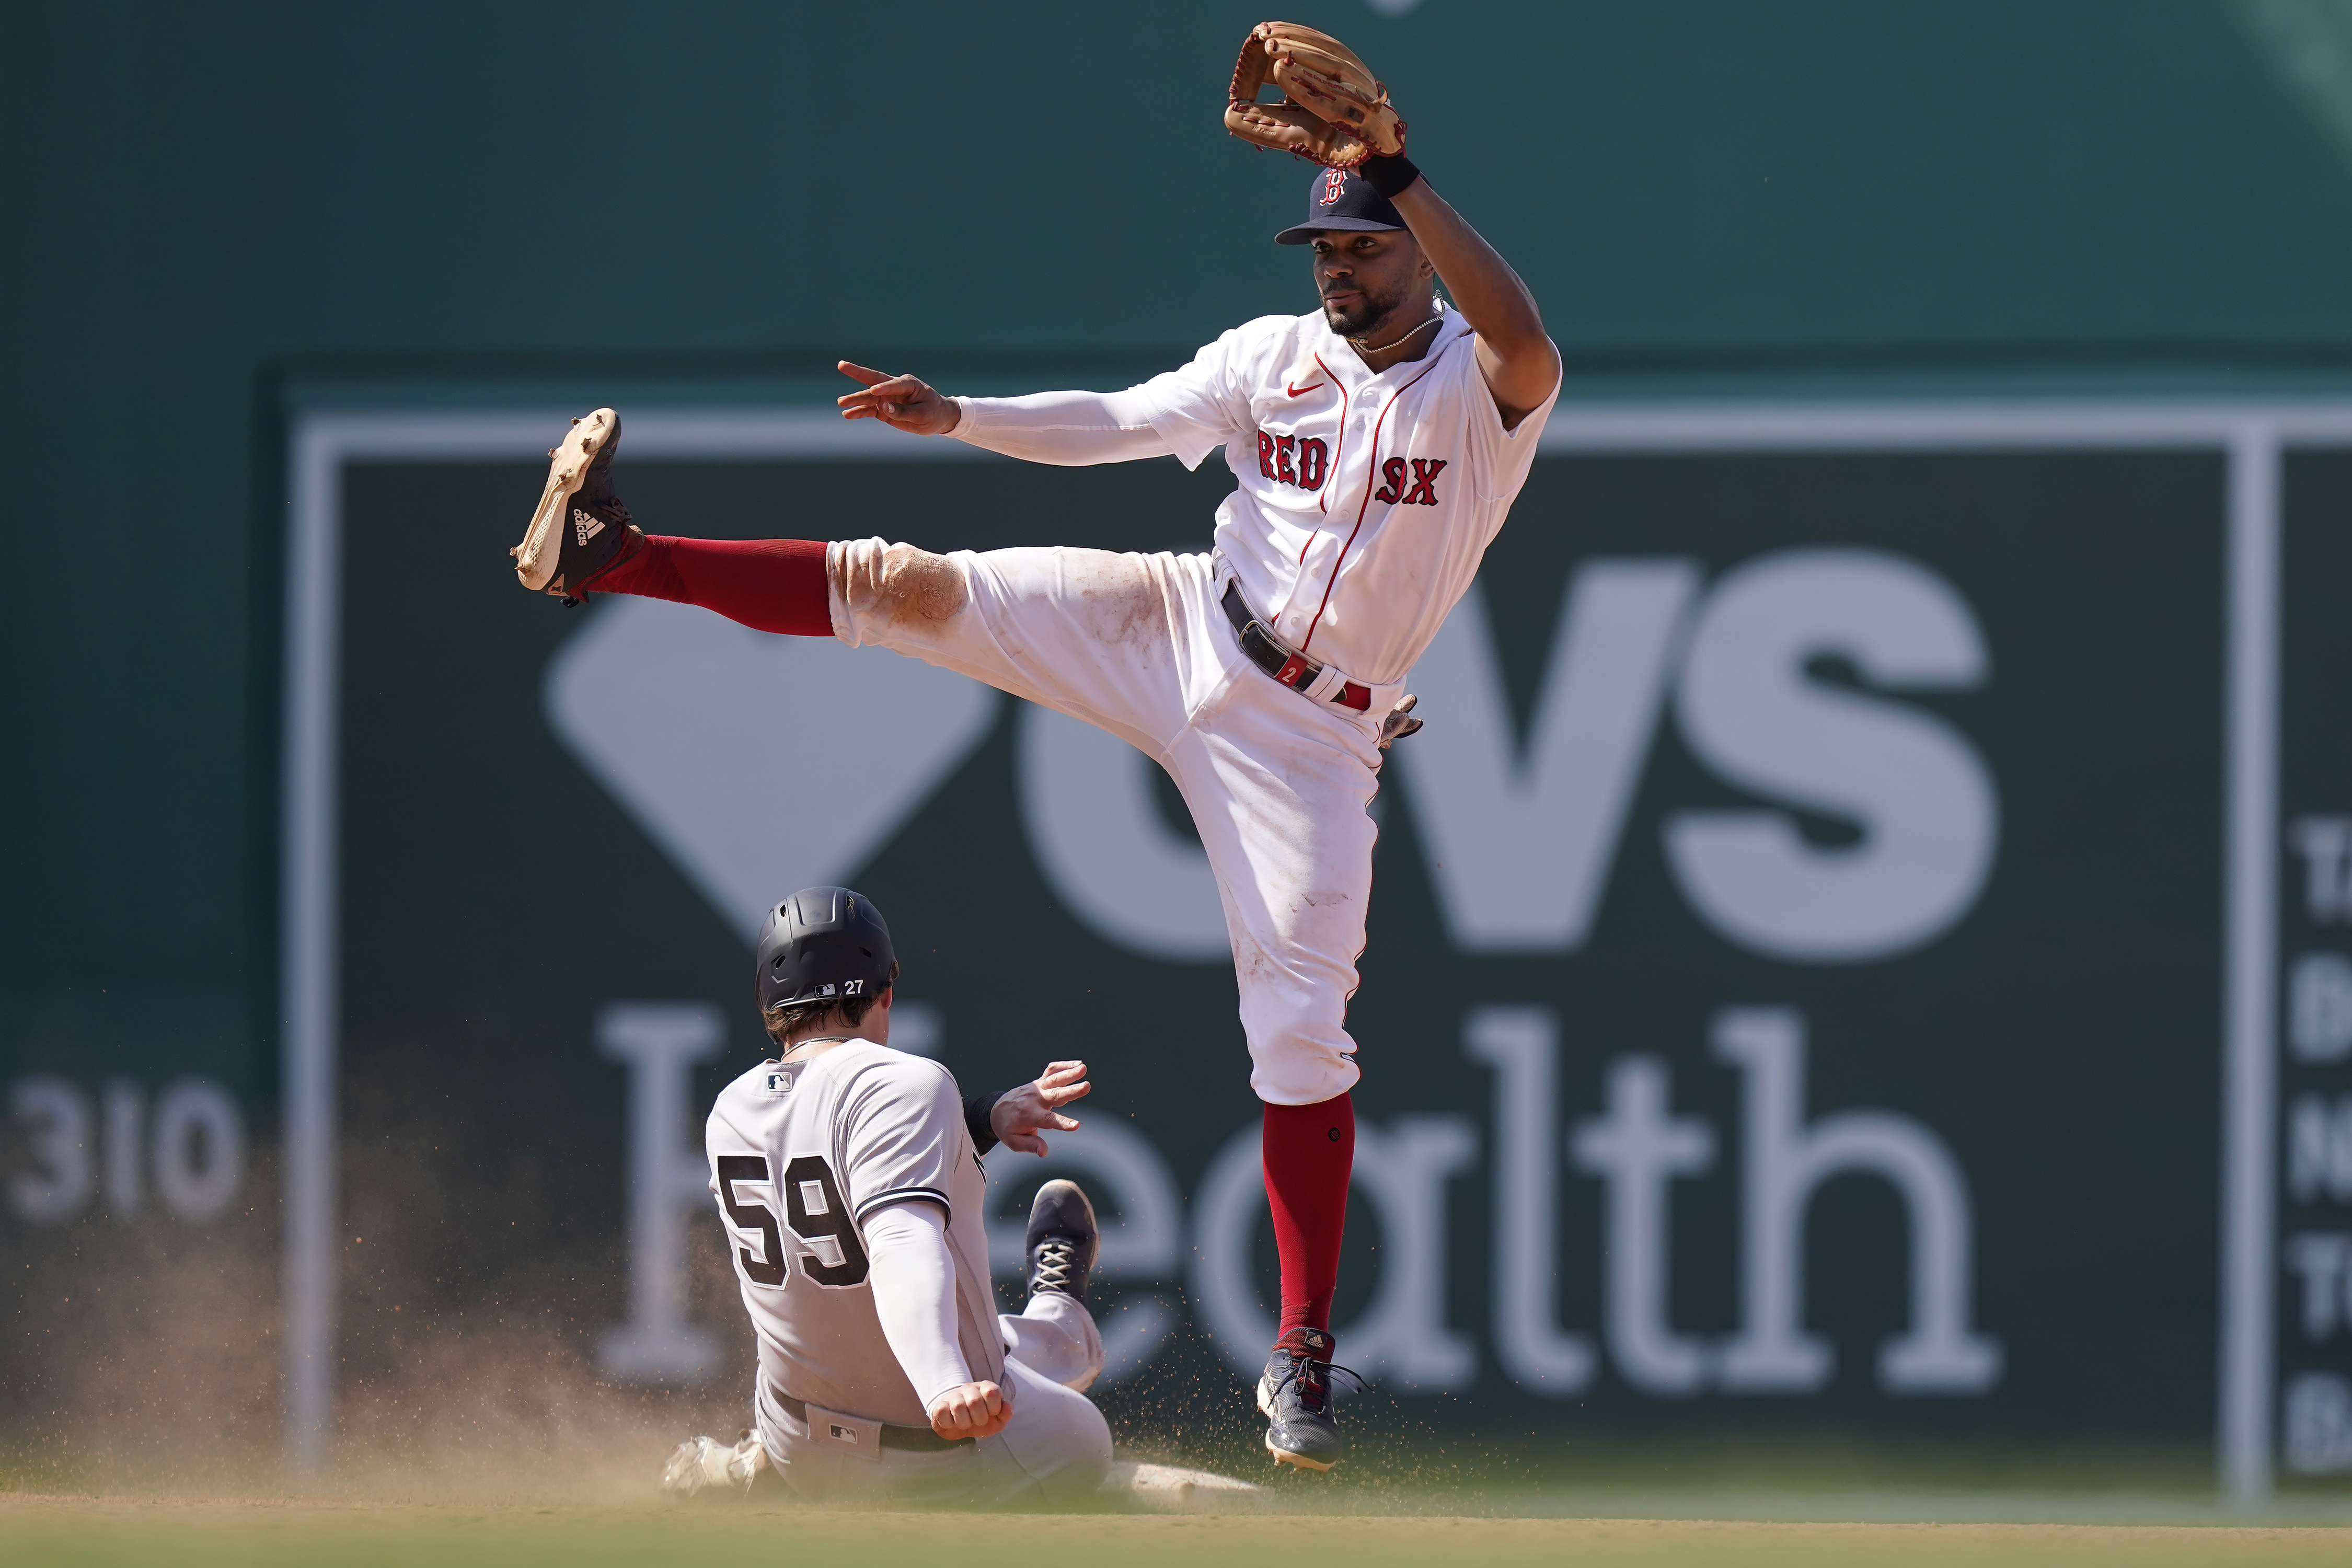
[
  {"x": 1503, "y": 456},
  {"x": 1197, "y": 408},
  {"x": 901, "y": 1134}
]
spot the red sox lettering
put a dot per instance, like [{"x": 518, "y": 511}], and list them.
[
  {"x": 1304, "y": 461},
  {"x": 1421, "y": 492}
]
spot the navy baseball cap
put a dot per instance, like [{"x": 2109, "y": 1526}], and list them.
[{"x": 1342, "y": 199}]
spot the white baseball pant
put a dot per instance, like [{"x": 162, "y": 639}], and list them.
[{"x": 1278, "y": 785}]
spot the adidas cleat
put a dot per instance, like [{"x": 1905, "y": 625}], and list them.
[
  {"x": 1295, "y": 1395},
  {"x": 581, "y": 529},
  {"x": 1064, "y": 1240}
]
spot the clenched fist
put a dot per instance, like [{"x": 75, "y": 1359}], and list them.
[{"x": 974, "y": 1410}]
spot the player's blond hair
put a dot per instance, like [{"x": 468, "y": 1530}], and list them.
[{"x": 788, "y": 1018}]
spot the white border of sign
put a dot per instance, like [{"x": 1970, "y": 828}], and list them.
[{"x": 2250, "y": 434}]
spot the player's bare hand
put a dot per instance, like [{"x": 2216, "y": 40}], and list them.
[
  {"x": 974, "y": 1410},
  {"x": 1399, "y": 722},
  {"x": 901, "y": 402},
  {"x": 1021, "y": 1113}
]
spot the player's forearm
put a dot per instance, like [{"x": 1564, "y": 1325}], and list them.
[
  {"x": 1070, "y": 429},
  {"x": 914, "y": 1282},
  {"x": 1493, "y": 300}
]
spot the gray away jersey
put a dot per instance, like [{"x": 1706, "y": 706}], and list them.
[{"x": 801, "y": 1155}]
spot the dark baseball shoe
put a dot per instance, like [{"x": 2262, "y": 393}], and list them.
[
  {"x": 1295, "y": 1397},
  {"x": 1063, "y": 1241},
  {"x": 581, "y": 529}
]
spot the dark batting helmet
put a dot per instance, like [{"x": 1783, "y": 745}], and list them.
[{"x": 824, "y": 945}]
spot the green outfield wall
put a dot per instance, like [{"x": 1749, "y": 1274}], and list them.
[{"x": 1975, "y": 372}]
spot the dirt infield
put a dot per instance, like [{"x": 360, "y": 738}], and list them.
[{"x": 82, "y": 1530}]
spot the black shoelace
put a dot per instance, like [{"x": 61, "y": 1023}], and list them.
[{"x": 1314, "y": 1392}]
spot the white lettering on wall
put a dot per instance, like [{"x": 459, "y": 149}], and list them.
[
  {"x": 1785, "y": 1160},
  {"x": 2322, "y": 1260},
  {"x": 1522, "y": 1046},
  {"x": 1915, "y": 787},
  {"x": 2319, "y": 1148},
  {"x": 55, "y": 1117},
  {"x": 2319, "y": 1006},
  {"x": 194, "y": 1146},
  {"x": 2318, "y": 1419},
  {"x": 1636, "y": 1150},
  {"x": 125, "y": 1108},
  {"x": 670, "y": 1175},
  {"x": 199, "y": 1149},
  {"x": 1520, "y": 839},
  {"x": 2326, "y": 845}
]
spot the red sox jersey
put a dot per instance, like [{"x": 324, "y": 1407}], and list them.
[
  {"x": 1365, "y": 501},
  {"x": 801, "y": 1154}
]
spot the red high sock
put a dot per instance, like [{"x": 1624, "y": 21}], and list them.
[
  {"x": 768, "y": 584},
  {"x": 1308, "y": 1151}
]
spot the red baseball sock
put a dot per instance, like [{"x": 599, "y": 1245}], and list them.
[
  {"x": 1308, "y": 1151},
  {"x": 768, "y": 584}
]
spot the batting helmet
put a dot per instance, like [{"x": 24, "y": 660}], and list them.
[{"x": 824, "y": 945}]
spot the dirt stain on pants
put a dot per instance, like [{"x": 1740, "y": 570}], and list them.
[{"x": 897, "y": 583}]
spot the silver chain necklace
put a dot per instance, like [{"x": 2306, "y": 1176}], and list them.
[
  {"x": 811, "y": 1040},
  {"x": 1384, "y": 348}
]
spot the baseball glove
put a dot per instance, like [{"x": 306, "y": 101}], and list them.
[{"x": 1332, "y": 111}]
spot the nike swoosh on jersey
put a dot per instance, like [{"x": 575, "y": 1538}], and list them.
[{"x": 1300, "y": 391}]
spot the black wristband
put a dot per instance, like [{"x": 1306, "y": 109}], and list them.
[
  {"x": 1387, "y": 175},
  {"x": 977, "y": 1109}
]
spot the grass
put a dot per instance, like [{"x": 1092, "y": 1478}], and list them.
[{"x": 71, "y": 1532}]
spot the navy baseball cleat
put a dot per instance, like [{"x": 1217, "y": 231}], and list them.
[
  {"x": 1063, "y": 1241},
  {"x": 1295, "y": 1397},
  {"x": 581, "y": 529}
]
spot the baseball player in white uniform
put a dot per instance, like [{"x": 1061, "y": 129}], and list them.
[
  {"x": 849, "y": 1180},
  {"x": 1377, "y": 442}
]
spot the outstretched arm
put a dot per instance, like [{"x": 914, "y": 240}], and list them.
[
  {"x": 1519, "y": 363},
  {"x": 1069, "y": 429},
  {"x": 901, "y": 402}
]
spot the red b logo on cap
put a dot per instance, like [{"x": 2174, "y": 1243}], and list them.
[{"x": 1335, "y": 184}]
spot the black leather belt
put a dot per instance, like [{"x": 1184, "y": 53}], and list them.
[
  {"x": 1285, "y": 664},
  {"x": 912, "y": 1440}
]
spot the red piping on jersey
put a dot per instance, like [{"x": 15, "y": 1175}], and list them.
[
  {"x": 1370, "y": 474},
  {"x": 1323, "y": 502},
  {"x": 1340, "y": 446}
]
